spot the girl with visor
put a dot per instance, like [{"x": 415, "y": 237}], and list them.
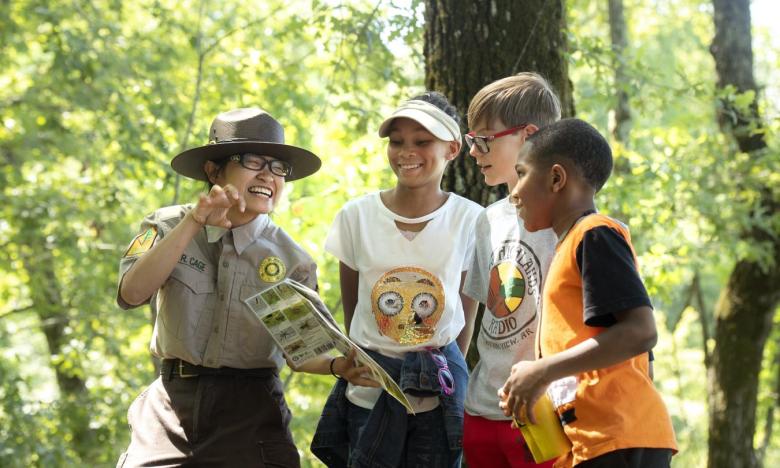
[{"x": 403, "y": 254}]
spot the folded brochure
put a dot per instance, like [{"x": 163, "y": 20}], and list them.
[{"x": 303, "y": 327}]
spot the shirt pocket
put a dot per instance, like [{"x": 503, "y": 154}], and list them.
[{"x": 187, "y": 305}]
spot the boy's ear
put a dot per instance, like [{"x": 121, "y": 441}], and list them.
[
  {"x": 558, "y": 177},
  {"x": 530, "y": 129}
]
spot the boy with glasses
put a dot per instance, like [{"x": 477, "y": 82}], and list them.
[{"x": 509, "y": 264}]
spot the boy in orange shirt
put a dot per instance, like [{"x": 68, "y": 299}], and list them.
[{"x": 597, "y": 322}]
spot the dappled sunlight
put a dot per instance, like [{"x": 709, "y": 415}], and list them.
[{"x": 96, "y": 98}]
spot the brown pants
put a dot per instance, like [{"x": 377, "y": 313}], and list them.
[{"x": 211, "y": 421}]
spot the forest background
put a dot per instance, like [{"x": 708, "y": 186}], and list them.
[{"x": 96, "y": 97}]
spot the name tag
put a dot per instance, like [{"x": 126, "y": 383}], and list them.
[{"x": 193, "y": 262}]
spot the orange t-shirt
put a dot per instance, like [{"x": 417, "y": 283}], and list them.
[{"x": 593, "y": 276}]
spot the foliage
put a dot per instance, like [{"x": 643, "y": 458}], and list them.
[
  {"x": 96, "y": 97},
  {"x": 688, "y": 194}
]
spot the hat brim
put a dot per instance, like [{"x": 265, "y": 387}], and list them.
[
  {"x": 430, "y": 123},
  {"x": 191, "y": 163}
]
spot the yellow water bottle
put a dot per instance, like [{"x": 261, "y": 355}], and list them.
[{"x": 545, "y": 439}]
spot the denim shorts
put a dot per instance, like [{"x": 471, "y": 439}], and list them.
[{"x": 424, "y": 444}]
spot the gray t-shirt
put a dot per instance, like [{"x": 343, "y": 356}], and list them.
[
  {"x": 201, "y": 316},
  {"x": 507, "y": 273}
]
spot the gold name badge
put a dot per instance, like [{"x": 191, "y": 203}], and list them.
[{"x": 271, "y": 269}]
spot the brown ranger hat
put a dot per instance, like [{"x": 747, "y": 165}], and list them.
[{"x": 248, "y": 130}]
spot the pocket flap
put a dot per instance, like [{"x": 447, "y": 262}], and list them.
[{"x": 194, "y": 281}]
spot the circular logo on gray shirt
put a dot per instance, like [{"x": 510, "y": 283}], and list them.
[{"x": 514, "y": 275}]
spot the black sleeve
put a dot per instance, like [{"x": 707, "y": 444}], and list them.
[{"x": 610, "y": 280}]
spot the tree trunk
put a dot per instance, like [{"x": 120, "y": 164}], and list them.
[
  {"x": 470, "y": 44},
  {"x": 621, "y": 126},
  {"x": 621, "y": 112},
  {"x": 746, "y": 305},
  {"x": 733, "y": 52},
  {"x": 771, "y": 411},
  {"x": 48, "y": 303}
]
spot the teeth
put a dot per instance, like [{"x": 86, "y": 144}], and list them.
[
  {"x": 265, "y": 191},
  {"x": 409, "y": 166}
]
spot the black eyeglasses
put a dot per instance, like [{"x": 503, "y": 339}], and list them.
[
  {"x": 258, "y": 163},
  {"x": 482, "y": 141}
]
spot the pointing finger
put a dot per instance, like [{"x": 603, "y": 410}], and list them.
[
  {"x": 239, "y": 197},
  {"x": 218, "y": 196},
  {"x": 233, "y": 193}
]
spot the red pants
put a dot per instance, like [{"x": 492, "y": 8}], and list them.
[{"x": 495, "y": 444}]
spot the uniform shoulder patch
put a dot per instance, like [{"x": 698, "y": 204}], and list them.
[{"x": 142, "y": 243}]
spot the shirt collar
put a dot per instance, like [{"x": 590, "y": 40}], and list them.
[
  {"x": 243, "y": 236},
  {"x": 566, "y": 232}
]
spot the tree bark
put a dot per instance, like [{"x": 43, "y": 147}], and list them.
[
  {"x": 743, "y": 314},
  {"x": 621, "y": 126},
  {"x": 769, "y": 419},
  {"x": 48, "y": 304},
  {"x": 732, "y": 49},
  {"x": 470, "y": 44}
]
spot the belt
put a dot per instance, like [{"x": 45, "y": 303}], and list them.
[{"x": 171, "y": 368}]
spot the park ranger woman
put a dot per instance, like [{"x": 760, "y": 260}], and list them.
[{"x": 218, "y": 399}]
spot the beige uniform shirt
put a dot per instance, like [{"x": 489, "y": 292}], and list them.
[{"x": 201, "y": 317}]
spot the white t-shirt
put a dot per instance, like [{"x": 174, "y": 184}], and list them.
[
  {"x": 408, "y": 290},
  {"x": 508, "y": 271}
]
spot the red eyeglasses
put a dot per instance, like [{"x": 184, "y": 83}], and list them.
[{"x": 482, "y": 141}]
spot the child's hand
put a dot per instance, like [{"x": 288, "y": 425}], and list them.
[
  {"x": 212, "y": 208},
  {"x": 525, "y": 385},
  {"x": 347, "y": 368}
]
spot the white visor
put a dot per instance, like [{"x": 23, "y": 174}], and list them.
[{"x": 435, "y": 120}]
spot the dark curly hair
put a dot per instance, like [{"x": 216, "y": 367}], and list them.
[
  {"x": 439, "y": 100},
  {"x": 580, "y": 143}
]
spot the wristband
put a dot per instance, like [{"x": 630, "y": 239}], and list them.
[{"x": 332, "y": 361}]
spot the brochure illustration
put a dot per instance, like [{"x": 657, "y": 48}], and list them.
[{"x": 303, "y": 328}]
